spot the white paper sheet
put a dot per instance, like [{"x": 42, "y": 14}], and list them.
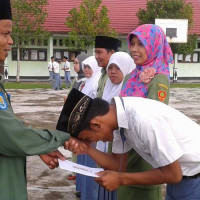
[{"x": 80, "y": 169}]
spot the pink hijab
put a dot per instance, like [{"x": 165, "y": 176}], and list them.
[{"x": 159, "y": 55}]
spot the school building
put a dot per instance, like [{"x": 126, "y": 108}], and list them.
[{"x": 122, "y": 14}]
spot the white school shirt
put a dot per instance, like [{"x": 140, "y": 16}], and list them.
[
  {"x": 67, "y": 65},
  {"x": 158, "y": 133},
  {"x": 50, "y": 66},
  {"x": 56, "y": 68}
]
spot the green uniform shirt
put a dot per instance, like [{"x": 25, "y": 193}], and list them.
[
  {"x": 16, "y": 142},
  {"x": 102, "y": 83}
]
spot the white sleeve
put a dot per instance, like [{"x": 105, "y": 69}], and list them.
[{"x": 159, "y": 141}]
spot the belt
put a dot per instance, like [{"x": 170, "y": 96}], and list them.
[{"x": 194, "y": 176}]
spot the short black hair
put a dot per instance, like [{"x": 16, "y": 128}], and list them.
[
  {"x": 65, "y": 57},
  {"x": 99, "y": 107},
  {"x": 109, "y": 50},
  {"x": 52, "y": 57}
]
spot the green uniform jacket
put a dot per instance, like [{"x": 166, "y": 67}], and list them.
[
  {"x": 16, "y": 142},
  {"x": 102, "y": 83},
  {"x": 158, "y": 89}
]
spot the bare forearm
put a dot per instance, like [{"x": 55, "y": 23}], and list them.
[
  {"x": 106, "y": 160},
  {"x": 153, "y": 177},
  {"x": 169, "y": 174}
]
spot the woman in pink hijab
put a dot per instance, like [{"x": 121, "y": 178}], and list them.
[{"x": 150, "y": 79}]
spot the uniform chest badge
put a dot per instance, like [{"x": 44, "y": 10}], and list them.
[{"x": 3, "y": 103}]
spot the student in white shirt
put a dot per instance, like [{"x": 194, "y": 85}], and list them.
[
  {"x": 51, "y": 65},
  {"x": 66, "y": 69},
  {"x": 163, "y": 136},
  {"x": 56, "y": 71}
]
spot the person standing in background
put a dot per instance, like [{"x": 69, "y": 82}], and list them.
[
  {"x": 150, "y": 79},
  {"x": 88, "y": 186},
  {"x": 79, "y": 81},
  {"x": 66, "y": 69},
  {"x": 56, "y": 71},
  {"x": 92, "y": 73},
  {"x": 105, "y": 47},
  {"x": 120, "y": 64},
  {"x": 51, "y": 65}
]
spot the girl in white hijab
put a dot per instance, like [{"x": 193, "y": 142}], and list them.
[
  {"x": 92, "y": 73},
  {"x": 86, "y": 185},
  {"x": 120, "y": 65}
]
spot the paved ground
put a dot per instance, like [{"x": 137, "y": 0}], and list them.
[{"x": 41, "y": 109}]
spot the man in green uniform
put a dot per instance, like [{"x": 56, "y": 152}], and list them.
[
  {"x": 16, "y": 140},
  {"x": 104, "y": 47}
]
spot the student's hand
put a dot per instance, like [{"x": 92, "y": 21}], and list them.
[
  {"x": 108, "y": 179},
  {"x": 51, "y": 159},
  {"x": 76, "y": 146}
]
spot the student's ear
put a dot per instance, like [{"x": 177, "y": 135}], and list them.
[
  {"x": 111, "y": 52},
  {"x": 95, "y": 124}
]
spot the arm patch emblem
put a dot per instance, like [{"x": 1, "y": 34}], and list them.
[
  {"x": 162, "y": 95},
  {"x": 3, "y": 103}
]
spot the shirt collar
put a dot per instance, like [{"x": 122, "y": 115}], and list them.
[{"x": 121, "y": 114}]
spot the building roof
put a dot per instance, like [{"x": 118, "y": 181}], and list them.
[
  {"x": 196, "y": 16},
  {"x": 122, "y": 14}
]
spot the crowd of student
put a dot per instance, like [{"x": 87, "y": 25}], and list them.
[
  {"x": 114, "y": 117},
  {"x": 54, "y": 67}
]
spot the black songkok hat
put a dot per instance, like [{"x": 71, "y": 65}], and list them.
[
  {"x": 5, "y": 10},
  {"x": 106, "y": 42},
  {"x": 74, "y": 110}
]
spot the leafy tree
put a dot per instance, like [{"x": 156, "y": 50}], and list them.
[
  {"x": 89, "y": 20},
  {"x": 28, "y": 18},
  {"x": 170, "y": 9}
]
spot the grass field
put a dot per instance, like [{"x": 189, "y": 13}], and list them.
[
  {"x": 27, "y": 85},
  {"x": 46, "y": 85}
]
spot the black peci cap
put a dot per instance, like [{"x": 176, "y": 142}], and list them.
[
  {"x": 5, "y": 10},
  {"x": 74, "y": 110},
  {"x": 106, "y": 42}
]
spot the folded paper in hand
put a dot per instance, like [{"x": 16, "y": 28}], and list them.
[{"x": 80, "y": 169}]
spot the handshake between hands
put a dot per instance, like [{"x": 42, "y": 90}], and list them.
[
  {"x": 74, "y": 145},
  {"x": 108, "y": 179}
]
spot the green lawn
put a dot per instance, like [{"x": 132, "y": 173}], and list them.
[
  {"x": 27, "y": 85},
  {"x": 46, "y": 85},
  {"x": 185, "y": 85}
]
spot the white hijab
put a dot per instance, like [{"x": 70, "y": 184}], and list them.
[
  {"x": 91, "y": 84},
  {"x": 126, "y": 64}
]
